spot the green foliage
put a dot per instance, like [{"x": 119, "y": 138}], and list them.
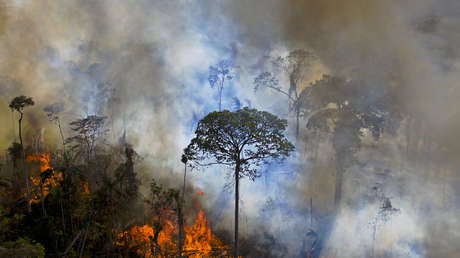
[
  {"x": 246, "y": 137},
  {"x": 96, "y": 199},
  {"x": 22, "y": 247}
]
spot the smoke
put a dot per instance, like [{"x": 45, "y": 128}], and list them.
[{"x": 144, "y": 65}]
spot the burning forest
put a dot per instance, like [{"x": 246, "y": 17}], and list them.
[{"x": 177, "y": 128}]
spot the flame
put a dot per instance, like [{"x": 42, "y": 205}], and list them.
[
  {"x": 199, "y": 192},
  {"x": 199, "y": 240},
  {"x": 52, "y": 181}
]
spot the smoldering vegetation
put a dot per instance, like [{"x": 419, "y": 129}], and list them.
[{"x": 373, "y": 92}]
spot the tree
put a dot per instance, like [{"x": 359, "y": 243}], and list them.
[
  {"x": 52, "y": 111},
  {"x": 125, "y": 177},
  {"x": 162, "y": 201},
  {"x": 88, "y": 130},
  {"x": 294, "y": 66},
  {"x": 180, "y": 206},
  {"x": 217, "y": 76},
  {"x": 385, "y": 214},
  {"x": 342, "y": 107},
  {"x": 243, "y": 140},
  {"x": 18, "y": 104}
]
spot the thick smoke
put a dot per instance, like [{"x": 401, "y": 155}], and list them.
[{"x": 144, "y": 65}]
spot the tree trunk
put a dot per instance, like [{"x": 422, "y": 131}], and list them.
[
  {"x": 311, "y": 213},
  {"x": 237, "y": 192},
  {"x": 181, "y": 219},
  {"x": 338, "y": 186},
  {"x": 84, "y": 240},
  {"x": 62, "y": 135},
  {"x": 42, "y": 199},
  {"x": 181, "y": 230},
  {"x": 220, "y": 98},
  {"x": 23, "y": 155},
  {"x": 221, "y": 88},
  {"x": 297, "y": 118},
  {"x": 72, "y": 243},
  {"x": 62, "y": 215},
  {"x": 155, "y": 243}
]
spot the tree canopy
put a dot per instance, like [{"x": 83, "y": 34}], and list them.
[
  {"x": 246, "y": 137},
  {"x": 20, "y": 102},
  {"x": 242, "y": 139}
]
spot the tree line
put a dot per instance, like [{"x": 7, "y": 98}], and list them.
[{"x": 79, "y": 224}]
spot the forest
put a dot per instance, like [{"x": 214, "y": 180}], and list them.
[{"x": 212, "y": 129}]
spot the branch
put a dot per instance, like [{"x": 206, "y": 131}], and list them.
[
  {"x": 71, "y": 244},
  {"x": 281, "y": 91},
  {"x": 215, "y": 163}
]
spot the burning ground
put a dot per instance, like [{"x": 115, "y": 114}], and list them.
[{"x": 376, "y": 99}]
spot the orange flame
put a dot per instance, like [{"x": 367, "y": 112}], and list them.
[
  {"x": 199, "y": 240},
  {"x": 199, "y": 192},
  {"x": 52, "y": 181}
]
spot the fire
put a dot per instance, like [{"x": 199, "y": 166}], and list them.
[
  {"x": 199, "y": 240},
  {"x": 51, "y": 181},
  {"x": 199, "y": 192}
]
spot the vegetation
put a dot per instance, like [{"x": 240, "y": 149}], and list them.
[
  {"x": 75, "y": 201},
  {"x": 294, "y": 65},
  {"x": 18, "y": 104},
  {"x": 84, "y": 199},
  {"x": 242, "y": 140},
  {"x": 338, "y": 107},
  {"x": 218, "y": 74},
  {"x": 80, "y": 200}
]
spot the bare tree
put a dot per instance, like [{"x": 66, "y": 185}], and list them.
[
  {"x": 294, "y": 65},
  {"x": 217, "y": 76},
  {"x": 88, "y": 131},
  {"x": 53, "y": 111},
  {"x": 385, "y": 214}
]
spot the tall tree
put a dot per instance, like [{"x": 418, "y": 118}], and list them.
[
  {"x": 18, "y": 104},
  {"x": 343, "y": 108},
  {"x": 243, "y": 140},
  {"x": 294, "y": 65},
  {"x": 217, "y": 76},
  {"x": 53, "y": 111},
  {"x": 181, "y": 205}
]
